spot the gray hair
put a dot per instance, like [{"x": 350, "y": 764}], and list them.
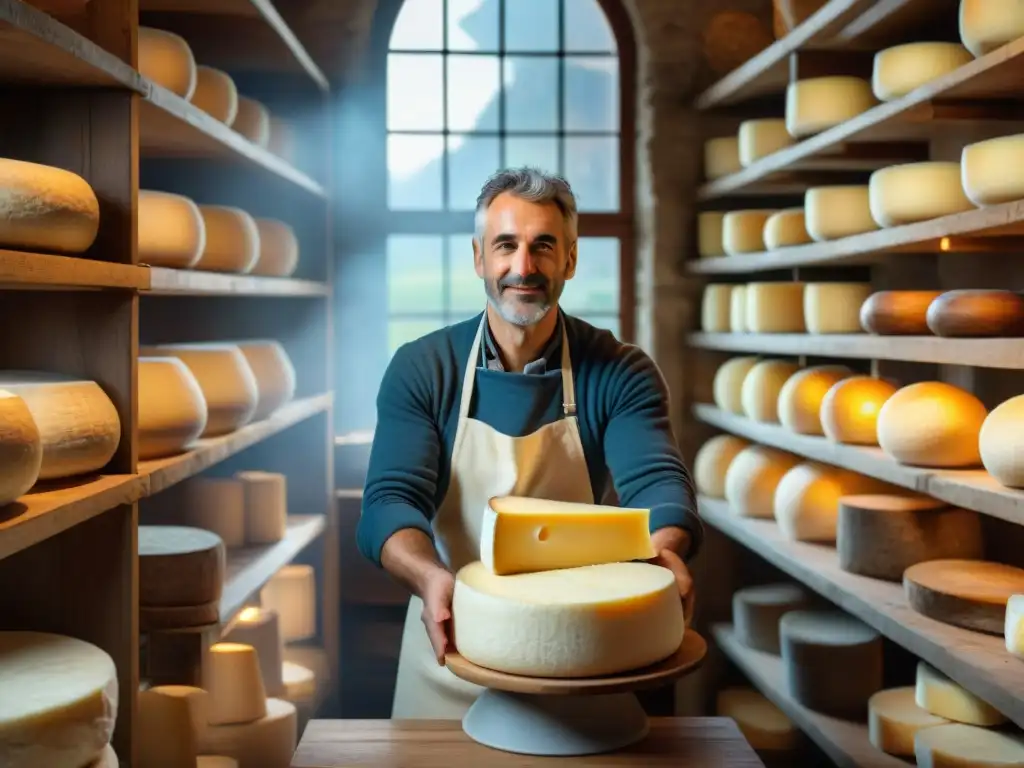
[{"x": 529, "y": 184}]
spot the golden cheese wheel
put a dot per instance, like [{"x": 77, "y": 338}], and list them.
[
  {"x": 721, "y": 157},
  {"x": 903, "y": 68},
  {"x": 897, "y": 313},
  {"x": 1001, "y": 442},
  {"x": 732, "y": 38},
  {"x": 728, "y": 383},
  {"x": 849, "y": 411},
  {"x": 786, "y": 228},
  {"x": 166, "y": 59},
  {"x": 806, "y": 501},
  {"x": 171, "y": 230},
  {"x": 712, "y": 462},
  {"x": 932, "y": 424},
  {"x": 977, "y": 313},
  {"x": 21, "y": 448},
  {"x": 800, "y": 398},
  {"x": 752, "y": 478},
  {"x": 172, "y": 407},
  {"x": 989, "y": 24},
  {"x": 252, "y": 120},
  {"x": 759, "y": 394},
  {"x": 274, "y": 372},
  {"x": 709, "y": 234},
  {"x": 716, "y": 308},
  {"x": 216, "y": 94},
  {"x": 738, "y": 309},
  {"x": 279, "y": 249},
  {"x": 232, "y": 240}
]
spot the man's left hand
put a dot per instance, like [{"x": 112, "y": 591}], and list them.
[{"x": 670, "y": 546}]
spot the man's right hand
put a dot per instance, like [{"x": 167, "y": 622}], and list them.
[{"x": 436, "y": 594}]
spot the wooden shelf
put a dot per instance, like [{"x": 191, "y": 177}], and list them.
[
  {"x": 181, "y": 282},
  {"x": 978, "y": 662},
  {"x": 20, "y": 269},
  {"x": 844, "y": 741}
]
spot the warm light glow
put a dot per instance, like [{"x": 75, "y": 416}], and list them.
[
  {"x": 250, "y": 615},
  {"x": 230, "y": 647},
  {"x": 868, "y": 408},
  {"x": 944, "y": 244}
]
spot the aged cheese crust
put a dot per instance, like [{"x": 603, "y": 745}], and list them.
[{"x": 46, "y": 209}]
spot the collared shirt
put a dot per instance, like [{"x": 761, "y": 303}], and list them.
[{"x": 546, "y": 361}]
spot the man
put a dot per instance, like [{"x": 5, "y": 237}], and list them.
[{"x": 522, "y": 399}]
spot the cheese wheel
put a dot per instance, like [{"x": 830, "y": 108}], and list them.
[
  {"x": 800, "y": 398},
  {"x": 225, "y": 377},
  {"x": 759, "y": 394},
  {"x": 291, "y": 594},
  {"x": 265, "y": 500},
  {"x": 897, "y": 313},
  {"x": 79, "y": 427},
  {"x": 299, "y": 682},
  {"x": 260, "y": 628},
  {"x": 752, "y": 478},
  {"x": 269, "y": 741},
  {"x": 166, "y": 59},
  {"x": 215, "y": 94},
  {"x": 819, "y": 103},
  {"x": 762, "y": 724},
  {"x": 987, "y": 170},
  {"x": 835, "y": 212},
  {"x": 231, "y": 675},
  {"x": 775, "y": 308},
  {"x": 252, "y": 120},
  {"x": 894, "y": 719},
  {"x": 899, "y": 70},
  {"x": 807, "y": 497},
  {"x": 46, "y": 209},
  {"x": 568, "y": 623},
  {"x": 965, "y": 593},
  {"x": 179, "y": 565},
  {"x": 932, "y": 424},
  {"x": 785, "y": 228},
  {"x": 999, "y": 442},
  {"x": 967, "y": 746},
  {"x": 274, "y": 372},
  {"x": 738, "y": 309},
  {"x": 721, "y": 157},
  {"x": 710, "y": 234},
  {"x": 21, "y": 448},
  {"x": 833, "y": 662},
  {"x": 937, "y": 694},
  {"x": 834, "y": 307},
  {"x": 743, "y": 231},
  {"x": 217, "y": 505},
  {"x": 1013, "y": 629},
  {"x": 904, "y": 194},
  {"x": 849, "y": 412},
  {"x": 283, "y": 142},
  {"x": 977, "y": 313},
  {"x": 108, "y": 759},
  {"x": 756, "y": 612},
  {"x": 196, "y": 699},
  {"x": 232, "y": 240},
  {"x": 216, "y": 761},
  {"x": 728, "y": 383},
  {"x": 172, "y": 408},
  {"x": 712, "y": 462},
  {"x": 58, "y": 701},
  {"x": 760, "y": 138},
  {"x": 167, "y": 734},
  {"x": 716, "y": 308},
  {"x": 279, "y": 249},
  {"x": 171, "y": 231},
  {"x": 985, "y": 26}
]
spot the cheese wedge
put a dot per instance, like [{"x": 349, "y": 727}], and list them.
[{"x": 894, "y": 719}]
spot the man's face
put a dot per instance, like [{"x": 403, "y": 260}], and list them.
[{"x": 524, "y": 258}]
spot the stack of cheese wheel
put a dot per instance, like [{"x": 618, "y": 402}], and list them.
[
  {"x": 834, "y": 307},
  {"x": 166, "y": 59},
  {"x": 985, "y": 26},
  {"x": 232, "y": 240},
  {"x": 800, "y": 399},
  {"x": 850, "y": 409},
  {"x": 760, "y": 138},
  {"x": 757, "y": 611},
  {"x": 972, "y": 594},
  {"x": 260, "y": 628},
  {"x": 279, "y": 249},
  {"x": 932, "y": 424},
  {"x": 274, "y": 372},
  {"x": 785, "y": 228},
  {"x": 181, "y": 577},
  {"x": 252, "y": 120},
  {"x": 897, "y": 313},
  {"x": 46, "y": 209},
  {"x": 171, "y": 230},
  {"x": 21, "y": 448},
  {"x": 216, "y": 94},
  {"x": 983, "y": 168},
  {"x": 775, "y": 308},
  {"x": 768, "y": 731},
  {"x": 904, "y": 194},
  {"x": 291, "y": 594},
  {"x": 819, "y": 103},
  {"x": 743, "y": 231},
  {"x": 759, "y": 394},
  {"x": 999, "y": 442},
  {"x": 712, "y": 462},
  {"x": 265, "y": 499},
  {"x": 716, "y": 308},
  {"x": 709, "y": 234},
  {"x": 752, "y": 478},
  {"x": 721, "y": 157},
  {"x": 172, "y": 409},
  {"x": 217, "y": 504},
  {"x": 806, "y": 502},
  {"x": 831, "y": 213},
  {"x": 899, "y": 70}
]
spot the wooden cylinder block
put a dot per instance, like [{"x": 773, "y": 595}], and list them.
[
  {"x": 172, "y": 409},
  {"x": 274, "y": 372},
  {"x": 260, "y": 628},
  {"x": 1000, "y": 442},
  {"x": 965, "y": 593},
  {"x": 179, "y": 566},
  {"x": 712, "y": 462},
  {"x": 217, "y": 505},
  {"x": 21, "y": 448},
  {"x": 757, "y": 611},
  {"x": 976, "y": 313},
  {"x": 932, "y": 424},
  {"x": 231, "y": 675},
  {"x": 265, "y": 498},
  {"x": 897, "y": 313},
  {"x": 291, "y": 593}
]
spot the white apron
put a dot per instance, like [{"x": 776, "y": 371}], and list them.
[{"x": 548, "y": 464}]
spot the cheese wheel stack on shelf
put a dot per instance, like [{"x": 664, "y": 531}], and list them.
[
  {"x": 785, "y": 229},
  {"x": 816, "y": 104},
  {"x": 759, "y": 394},
  {"x": 743, "y": 231},
  {"x": 21, "y": 448},
  {"x": 274, "y": 372},
  {"x": 171, "y": 230},
  {"x": 181, "y": 577},
  {"x": 172, "y": 408}
]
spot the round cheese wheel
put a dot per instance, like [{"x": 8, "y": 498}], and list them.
[
  {"x": 574, "y": 622},
  {"x": 806, "y": 500},
  {"x": 232, "y": 240},
  {"x": 849, "y": 412},
  {"x": 728, "y": 383},
  {"x": 956, "y": 745},
  {"x": 172, "y": 408},
  {"x": 738, "y": 309},
  {"x": 231, "y": 676},
  {"x": 743, "y": 231},
  {"x": 252, "y": 120},
  {"x": 167, "y": 733},
  {"x": 785, "y": 228},
  {"x": 709, "y": 234},
  {"x": 274, "y": 372},
  {"x": 894, "y": 719},
  {"x": 217, "y": 504},
  {"x": 834, "y": 307},
  {"x": 819, "y": 103},
  {"x": 775, "y": 308},
  {"x": 266, "y": 506},
  {"x": 977, "y": 313},
  {"x": 986, "y": 170},
  {"x": 985, "y": 26},
  {"x": 712, "y": 462},
  {"x": 171, "y": 232},
  {"x": 835, "y": 212},
  {"x": 897, "y": 313},
  {"x": 760, "y": 138},
  {"x": 271, "y": 740},
  {"x": 216, "y": 94},
  {"x": 999, "y": 442},
  {"x": 904, "y": 194},
  {"x": 937, "y": 694},
  {"x": 752, "y": 478},
  {"x": 759, "y": 394},
  {"x": 46, "y": 209},
  {"x": 197, "y": 700},
  {"x": 932, "y": 424},
  {"x": 21, "y": 448},
  {"x": 291, "y": 594},
  {"x": 179, "y": 565},
  {"x": 716, "y": 308},
  {"x": 721, "y": 157},
  {"x": 799, "y": 406},
  {"x": 762, "y": 724},
  {"x": 166, "y": 59},
  {"x": 757, "y": 610},
  {"x": 965, "y": 593},
  {"x": 904, "y": 68},
  {"x": 282, "y": 142},
  {"x": 279, "y": 249}
]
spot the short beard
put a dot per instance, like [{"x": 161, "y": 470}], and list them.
[{"x": 520, "y": 313}]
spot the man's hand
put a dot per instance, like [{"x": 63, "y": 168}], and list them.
[
  {"x": 670, "y": 546},
  {"x": 437, "y": 611}
]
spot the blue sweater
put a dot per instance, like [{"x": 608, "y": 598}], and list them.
[{"x": 622, "y": 407}]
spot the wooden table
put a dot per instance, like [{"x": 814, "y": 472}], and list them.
[{"x": 694, "y": 742}]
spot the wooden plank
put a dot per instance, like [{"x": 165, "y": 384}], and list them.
[
  {"x": 194, "y": 283},
  {"x": 19, "y": 269}
]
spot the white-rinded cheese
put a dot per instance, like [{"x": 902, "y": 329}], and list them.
[
  {"x": 986, "y": 25},
  {"x": 760, "y": 138},
  {"x": 260, "y": 628},
  {"x": 775, "y": 308},
  {"x": 232, "y": 240},
  {"x": 932, "y": 424},
  {"x": 759, "y": 394},
  {"x": 108, "y": 759},
  {"x": 58, "y": 701},
  {"x": 833, "y": 662},
  {"x": 963, "y": 593},
  {"x": 785, "y": 228},
  {"x": 265, "y": 499},
  {"x": 574, "y": 622},
  {"x": 903, "y": 68},
  {"x": 171, "y": 231},
  {"x": 967, "y": 746},
  {"x": 21, "y": 448},
  {"x": 721, "y": 157},
  {"x": 738, "y": 309},
  {"x": 179, "y": 565},
  {"x": 937, "y": 694},
  {"x": 78, "y": 425},
  {"x": 217, "y": 504},
  {"x": 712, "y": 462},
  {"x": 225, "y": 377},
  {"x": 762, "y": 724},
  {"x": 756, "y": 612},
  {"x": 894, "y": 719},
  {"x": 987, "y": 170},
  {"x": 270, "y": 741},
  {"x": 274, "y": 372},
  {"x": 1013, "y": 629},
  {"x": 716, "y": 308},
  {"x": 840, "y": 211},
  {"x": 216, "y": 761},
  {"x": 252, "y": 120},
  {"x": 216, "y": 94},
  {"x": 710, "y": 234},
  {"x": 807, "y": 500},
  {"x": 231, "y": 675},
  {"x": 752, "y": 478},
  {"x": 279, "y": 249},
  {"x": 727, "y": 385},
  {"x": 822, "y": 102},
  {"x": 167, "y": 735},
  {"x": 166, "y": 59},
  {"x": 849, "y": 412},
  {"x": 299, "y": 682},
  {"x": 283, "y": 141},
  {"x": 291, "y": 594},
  {"x": 800, "y": 398},
  {"x": 743, "y": 231},
  {"x": 172, "y": 409},
  {"x": 43, "y": 208},
  {"x": 834, "y": 307},
  {"x": 904, "y": 194}
]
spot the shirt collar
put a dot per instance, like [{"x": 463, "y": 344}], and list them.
[{"x": 547, "y": 360}]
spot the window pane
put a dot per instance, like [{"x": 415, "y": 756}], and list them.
[
  {"x": 531, "y": 93},
  {"x": 403, "y": 331},
  {"x": 587, "y": 28},
  {"x": 472, "y": 25},
  {"x": 591, "y": 93},
  {"x": 473, "y": 90},
  {"x": 595, "y": 286},
  {"x": 471, "y": 159},
  {"x": 466, "y": 290},
  {"x": 414, "y": 172},
  {"x": 531, "y": 25},
  {"x": 608, "y": 322},
  {"x": 592, "y": 168},
  {"x": 415, "y": 93},
  {"x": 415, "y": 274},
  {"x": 418, "y": 26},
  {"x": 540, "y": 152}
]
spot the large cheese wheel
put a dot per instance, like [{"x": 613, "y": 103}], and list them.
[
  {"x": 274, "y": 372},
  {"x": 279, "y": 249},
  {"x": 785, "y": 228},
  {"x": 762, "y": 724},
  {"x": 574, "y": 622},
  {"x": 752, "y": 478},
  {"x": 260, "y": 629},
  {"x": 1013, "y": 629},
  {"x": 269, "y": 741},
  {"x": 849, "y": 412},
  {"x": 231, "y": 675},
  {"x": 232, "y": 240},
  {"x": 216, "y": 94},
  {"x": 171, "y": 231},
  {"x": 967, "y": 746},
  {"x": 252, "y": 120},
  {"x": 894, "y": 719},
  {"x": 800, "y": 398},
  {"x": 834, "y": 307},
  {"x": 904, "y": 194},
  {"x": 166, "y": 59},
  {"x": 226, "y": 378},
  {"x": 79, "y": 427},
  {"x": 217, "y": 504},
  {"x": 904, "y": 68},
  {"x": 172, "y": 408},
  {"x": 999, "y": 442},
  {"x": 821, "y": 102},
  {"x": 43, "y": 208},
  {"x": 840, "y": 211},
  {"x": 21, "y": 448},
  {"x": 721, "y": 157},
  {"x": 759, "y": 394},
  {"x": 985, "y": 25},
  {"x": 760, "y": 138},
  {"x": 775, "y": 308},
  {"x": 987, "y": 170},
  {"x": 756, "y": 612},
  {"x": 964, "y": 593},
  {"x": 937, "y": 694},
  {"x": 712, "y": 462},
  {"x": 932, "y": 424},
  {"x": 738, "y": 309},
  {"x": 265, "y": 496},
  {"x": 977, "y": 313},
  {"x": 743, "y": 231},
  {"x": 58, "y": 701},
  {"x": 709, "y": 234},
  {"x": 167, "y": 736},
  {"x": 291, "y": 594},
  {"x": 807, "y": 500},
  {"x": 728, "y": 383},
  {"x": 896, "y": 313},
  {"x": 716, "y": 308},
  {"x": 283, "y": 141},
  {"x": 179, "y": 566}
]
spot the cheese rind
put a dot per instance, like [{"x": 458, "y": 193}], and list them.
[
  {"x": 291, "y": 594},
  {"x": 721, "y": 157},
  {"x": 709, "y": 234},
  {"x": 834, "y": 307},
  {"x": 807, "y": 498},
  {"x": 760, "y": 138},
  {"x": 179, "y": 565},
  {"x": 252, "y": 120},
  {"x": 167, "y": 734},
  {"x": 216, "y": 94},
  {"x": 757, "y": 611},
  {"x": 712, "y": 462},
  {"x": 786, "y": 228},
  {"x": 985, "y": 25},
  {"x": 171, "y": 231},
  {"x": 894, "y": 719},
  {"x": 964, "y": 593},
  {"x": 727, "y": 385},
  {"x": 265, "y": 501},
  {"x": 891, "y": 313},
  {"x": 166, "y": 59},
  {"x": 46, "y": 209},
  {"x": 904, "y": 194},
  {"x": 775, "y": 308},
  {"x": 172, "y": 408},
  {"x": 752, "y": 478},
  {"x": 799, "y": 405},
  {"x": 232, "y": 240},
  {"x": 987, "y": 171},
  {"x": 937, "y": 694},
  {"x": 932, "y": 424},
  {"x": 1013, "y": 629},
  {"x": 231, "y": 675},
  {"x": 279, "y": 249},
  {"x": 743, "y": 231},
  {"x": 759, "y": 394},
  {"x": 21, "y": 448},
  {"x": 822, "y": 102},
  {"x": 967, "y": 746},
  {"x": 999, "y": 442},
  {"x": 716, "y": 308},
  {"x": 903, "y": 68},
  {"x": 269, "y": 741},
  {"x": 217, "y": 505},
  {"x": 849, "y": 411},
  {"x": 274, "y": 372},
  {"x": 835, "y": 212},
  {"x": 763, "y": 725}
]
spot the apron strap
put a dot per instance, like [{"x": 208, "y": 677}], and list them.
[{"x": 568, "y": 386}]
